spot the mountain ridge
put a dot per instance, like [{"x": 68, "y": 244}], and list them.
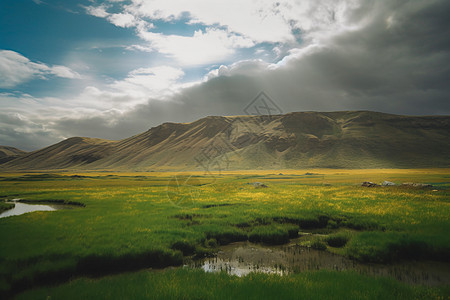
[
  {"x": 346, "y": 139},
  {"x": 8, "y": 153}
]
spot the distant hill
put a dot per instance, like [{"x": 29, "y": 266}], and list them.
[
  {"x": 9, "y": 153},
  {"x": 349, "y": 139}
]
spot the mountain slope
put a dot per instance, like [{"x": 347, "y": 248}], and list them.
[
  {"x": 70, "y": 153},
  {"x": 9, "y": 153},
  {"x": 359, "y": 139}
]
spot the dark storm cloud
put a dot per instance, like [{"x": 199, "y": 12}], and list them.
[
  {"x": 394, "y": 59},
  {"x": 397, "y": 62},
  {"x": 24, "y": 134}
]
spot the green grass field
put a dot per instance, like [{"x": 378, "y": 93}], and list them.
[
  {"x": 196, "y": 284},
  {"x": 135, "y": 221}
]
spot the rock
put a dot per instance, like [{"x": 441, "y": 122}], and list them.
[
  {"x": 258, "y": 184},
  {"x": 280, "y": 174},
  {"x": 417, "y": 185},
  {"x": 369, "y": 184},
  {"x": 387, "y": 183}
]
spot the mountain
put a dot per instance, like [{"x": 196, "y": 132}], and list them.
[
  {"x": 9, "y": 153},
  {"x": 349, "y": 139},
  {"x": 75, "y": 152}
]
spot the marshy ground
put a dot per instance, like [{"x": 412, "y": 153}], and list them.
[{"x": 135, "y": 221}]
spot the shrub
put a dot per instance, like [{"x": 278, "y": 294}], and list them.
[
  {"x": 338, "y": 240},
  {"x": 97, "y": 265},
  {"x": 387, "y": 247},
  {"x": 211, "y": 243},
  {"x": 318, "y": 245},
  {"x": 269, "y": 235},
  {"x": 292, "y": 231},
  {"x": 332, "y": 224},
  {"x": 319, "y": 222},
  {"x": 202, "y": 252},
  {"x": 226, "y": 237},
  {"x": 185, "y": 247}
]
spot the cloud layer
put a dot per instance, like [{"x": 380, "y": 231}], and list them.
[
  {"x": 16, "y": 69},
  {"x": 389, "y": 56}
]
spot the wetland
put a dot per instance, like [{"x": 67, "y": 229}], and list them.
[{"x": 298, "y": 232}]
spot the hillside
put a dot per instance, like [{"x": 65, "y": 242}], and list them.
[
  {"x": 75, "y": 152},
  {"x": 9, "y": 153},
  {"x": 358, "y": 139}
]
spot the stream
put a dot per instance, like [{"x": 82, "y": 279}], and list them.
[
  {"x": 244, "y": 257},
  {"x": 23, "y": 208}
]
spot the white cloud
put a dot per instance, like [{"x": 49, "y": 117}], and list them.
[
  {"x": 97, "y": 11},
  {"x": 231, "y": 25},
  {"x": 64, "y": 72},
  {"x": 271, "y": 21},
  {"x": 145, "y": 83},
  {"x": 202, "y": 48},
  {"x": 252, "y": 67},
  {"x": 136, "y": 88},
  {"x": 16, "y": 69},
  {"x": 259, "y": 20},
  {"x": 122, "y": 20},
  {"x": 310, "y": 15}
]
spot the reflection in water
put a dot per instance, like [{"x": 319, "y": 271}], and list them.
[
  {"x": 22, "y": 208},
  {"x": 242, "y": 258}
]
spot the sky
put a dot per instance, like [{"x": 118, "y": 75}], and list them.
[{"x": 115, "y": 68}]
